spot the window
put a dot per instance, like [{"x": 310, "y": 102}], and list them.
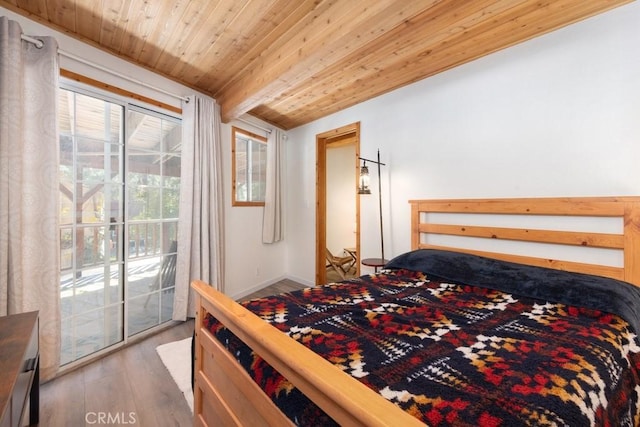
[
  {"x": 249, "y": 167},
  {"x": 119, "y": 190}
]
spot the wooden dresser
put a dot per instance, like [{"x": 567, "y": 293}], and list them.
[{"x": 19, "y": 368}]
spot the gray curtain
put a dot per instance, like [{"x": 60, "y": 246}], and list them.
[
  {"x": 29, "y": 234},
  {"x": 272, "y": 220},
  {"x": 200, "y": 224}
]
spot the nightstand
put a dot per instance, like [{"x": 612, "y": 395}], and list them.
[
  {"x": 19, "y": 368},
  {"x": 374, "y": 262}
]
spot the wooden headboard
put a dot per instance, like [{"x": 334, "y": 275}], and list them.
[{"x": 625, "y": 208}]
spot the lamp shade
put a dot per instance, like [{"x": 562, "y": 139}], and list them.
[{"x": 363, "y": 188}]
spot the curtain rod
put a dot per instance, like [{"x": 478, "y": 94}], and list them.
[
  {"x": 38, "y": 43},
  {"x": 34, "y": 41},
  {"x": 255, "y": 125}
]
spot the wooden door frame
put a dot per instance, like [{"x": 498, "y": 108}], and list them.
[{"x": 322, "y": 141}]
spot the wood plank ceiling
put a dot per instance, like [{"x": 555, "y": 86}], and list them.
[{"x": 290, "y": 62}]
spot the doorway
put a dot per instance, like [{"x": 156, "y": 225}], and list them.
[{"x": 337, "y": 147}]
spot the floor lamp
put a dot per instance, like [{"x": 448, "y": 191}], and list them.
[{"x": 363, "y": 188}]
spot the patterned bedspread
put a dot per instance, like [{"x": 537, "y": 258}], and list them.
[{"x": 456, "y": 354}]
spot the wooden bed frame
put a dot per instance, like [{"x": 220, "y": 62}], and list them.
[{"x": 226, "y": 395}]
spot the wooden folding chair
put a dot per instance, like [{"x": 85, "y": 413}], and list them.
[
  {"x": 338, "y": 264},
  {"x": 167, "y": 275}
]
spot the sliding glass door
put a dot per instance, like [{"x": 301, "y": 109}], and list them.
[
  {"x": 91, "y": 221},
  {"x": 153, "y": 189},
  {"x": 119, "y": 191}
]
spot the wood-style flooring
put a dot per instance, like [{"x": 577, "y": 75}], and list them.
[
  {"x": 131, "y": 386},
  {"x": 280, "y": 287}
]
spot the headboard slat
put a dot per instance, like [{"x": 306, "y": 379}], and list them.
[
  {"x": 582, "y": 206},
  {"x": 596, "y": 240}
]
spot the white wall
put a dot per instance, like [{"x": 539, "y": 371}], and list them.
[
  {"x": 555, "y": 116},
  {"x": 341, "y": 202}
]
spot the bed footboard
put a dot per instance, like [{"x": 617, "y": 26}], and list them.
[{"x": 226, "y": 395}]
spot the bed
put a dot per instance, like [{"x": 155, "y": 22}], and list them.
[{"x": 562, "y": 338}]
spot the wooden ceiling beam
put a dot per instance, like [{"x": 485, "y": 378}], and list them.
[{"x": 325, "y": 38}]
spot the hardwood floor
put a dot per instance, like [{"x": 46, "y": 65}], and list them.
[
  {"x": 280, "y": 287},
  {"x": 129, "y": 387}
]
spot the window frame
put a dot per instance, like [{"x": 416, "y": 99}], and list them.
[{"x": 234, "y": 202}]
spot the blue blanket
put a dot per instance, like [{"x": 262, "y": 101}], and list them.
[{"x": 582, "y": 290}]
